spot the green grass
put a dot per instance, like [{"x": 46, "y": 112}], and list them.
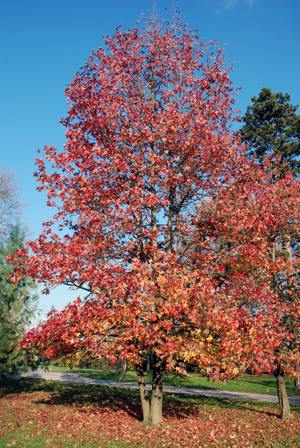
[
  {"x": 21, "y": 439},
  {"x": 261, "y": 384}
]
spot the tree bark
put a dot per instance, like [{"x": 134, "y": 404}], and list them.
[
  {"x": 157, "y": 392},
  {"x": 121, "y": 366},
  {"x": 297, "y": 380},
  {"x": 144, "y": 395},
  {"x": 148, "y": 363},
  {"x": 283, "y": 398}
]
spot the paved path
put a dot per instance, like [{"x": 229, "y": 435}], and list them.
[{"x": 76, "y": 378}]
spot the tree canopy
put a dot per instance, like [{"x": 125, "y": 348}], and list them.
[{"x": 149, "y": 153}]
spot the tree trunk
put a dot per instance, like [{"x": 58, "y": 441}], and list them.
[
  {"x": 157, "y": 392},
  {"x": 297, "y": 380},
  {"x": 144, "y": 395},
  {"x": 148, "y": 363},
  {"x": 283, "y": 399},
  {"x": 121, "y": 366},
  {"x": 152, "y": 409}
]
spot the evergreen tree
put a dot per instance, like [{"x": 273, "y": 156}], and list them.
[
  {"x": 17, "y": 305},
  {"x": 272, "y": 128}
]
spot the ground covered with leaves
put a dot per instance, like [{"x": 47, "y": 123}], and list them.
[{"x": 35, "y": 413}]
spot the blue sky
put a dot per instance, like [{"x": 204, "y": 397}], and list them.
[{"x": 43, "y": 43}]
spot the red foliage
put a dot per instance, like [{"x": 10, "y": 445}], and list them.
[
  {"x": 247, "y": 231},
  {"x": 160, "y": 216}
]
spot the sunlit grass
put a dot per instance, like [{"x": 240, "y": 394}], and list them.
[{"x": 262, "y": 384}]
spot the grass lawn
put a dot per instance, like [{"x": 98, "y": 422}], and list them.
[
  {"x": 36, "y": 414},
  {"x": 262, "y": 384}
]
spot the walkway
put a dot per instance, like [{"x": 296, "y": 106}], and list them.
[{"x": 76, "y": 378}]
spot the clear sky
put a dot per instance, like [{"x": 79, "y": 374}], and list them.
[{"x": 43, "y": 43}]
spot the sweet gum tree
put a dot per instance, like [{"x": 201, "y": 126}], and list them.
[
  {"x": 148, "y": 140},
  {"x": 246, "y": 231},
  {"x": 271, "y": 128}
]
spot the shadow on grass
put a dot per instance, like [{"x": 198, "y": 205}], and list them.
[{"x": 115, "y": 399}]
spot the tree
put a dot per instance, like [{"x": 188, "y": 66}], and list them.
[
  {"x": 272, "y": 128},
  {"x": 17, "y": 306},
  {"x": 247, "y": 228},
  {"x": 9, "y": 205},
  {"x": 148, "y": 140}
]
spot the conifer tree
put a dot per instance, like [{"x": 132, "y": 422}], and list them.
[
  {"x": 17, "y": 306},
  {"x": 272, "y": 128}
]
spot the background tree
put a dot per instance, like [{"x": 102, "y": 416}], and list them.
[
  {"x": 245, "y": 231},
  {"x": 17, "y": 305},
  {"x": 17, "y": 302},
  {"x": 9, "y": 204},
  {"x": 272, "y": 128}
]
